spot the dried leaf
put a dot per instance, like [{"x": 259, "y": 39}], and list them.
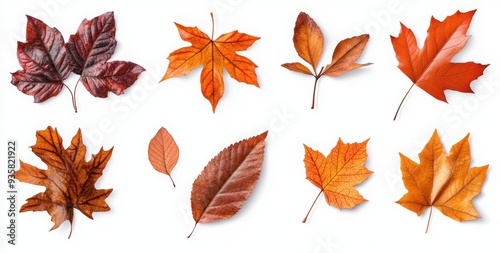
[
  {"x": 308, "y": 41},
  {"x": 430, "y": 68},
  {"x": 44, "y": 59},
  {"x": 442, "y": 180},
  {"x": 338, "y": 173},
  {"x": 91, "y": 47},
  {"x": 47, "y": 60},
  {"x": 69, "y": 179},
  {"x": 214, "y": 55},
  {"x": 163, "y": 152},
  {"x": 228, "y": 179}
]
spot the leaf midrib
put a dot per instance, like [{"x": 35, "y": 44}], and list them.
[
  {"x": 439, "y": 51},
  {"x": 225, "y": 182}
]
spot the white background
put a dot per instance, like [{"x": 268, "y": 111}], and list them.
[{"x": 148, "y": 214}]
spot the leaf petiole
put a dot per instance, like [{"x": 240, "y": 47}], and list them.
[
  {"x": 73, "y": 99},
  {"x": 212, "y": 16},
  {"x": 400, "y": 104},
  {"x": 74, "y": 95},
  {"x": 316, "y": 77},
  {"x": 192, "y": 231},
  {"x": 307, "y": 215},
  {"x": 171, "y": 179},
  {"x": 428, "y": 221}
]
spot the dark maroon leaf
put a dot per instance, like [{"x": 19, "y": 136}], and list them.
[
  {"x": 44, "y": 59},
  {"x": 93, "y": 43},
  {"x": 113, "y": 76},
  {"x": 47, "y": 60}
]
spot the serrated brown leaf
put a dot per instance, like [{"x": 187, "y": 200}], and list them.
[
  {"x": 69, "y": 179},
  {"x": 430, "y": 68},
  {"x": 47, "y": 61},
  {"x": 214, "y": 55},
  {"x": 308, "y": 42},
  {"x": 163, "y": 152},
  {"x": 338, "y": 173},
  {"x": 227, "y": 181},
  {"x": 442, "y": 180}
]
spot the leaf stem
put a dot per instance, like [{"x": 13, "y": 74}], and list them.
[
  {"x": 307, "y": 215},
  {"x": 192, "y": 230},
  {"x": 399, "y": 107},
  {"x": 428, "y": 221},
  {"x": 72, "y": 97},
  {"x": 212, "y": 16},
  {"x": 70, "y": 230},
  {"x": 171, "y": 179},
  {"x": 316, "y": 77}
]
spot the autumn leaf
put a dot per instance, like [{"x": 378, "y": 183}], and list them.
[
  {"x": 91, "y": 47},
  {"x": 44, "y": 59},
  {"x": 214, "y": 55},
  {"x": 338, "y": 173},
  {"x": 430, "y": 68},
  {"x": 308, "y": 41},
  {"x": 228, "y": 179},
  {"x": 47, "y": 61},
  {"x": 69, "y": 179},
  {"x": 163, "y": 152},
  {"x": 442, "y": 180}
]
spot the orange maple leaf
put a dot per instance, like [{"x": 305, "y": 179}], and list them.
[
  {"x": 69, "y": 180},
  {"x": 214, "y": 55},
  {"x": 430, "y": 68},
  {"x": 338, "y": 173},
  {"x": 442, "y": 180},
  {"x": 308, "y": 41}
]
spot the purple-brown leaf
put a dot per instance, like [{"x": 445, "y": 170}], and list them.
[
  {"x": 47, "y": 60},
  {"x": 228, "y": 179},
  {"x": 91, "y": 47},
  {"x": 44, "y": 60},
  {"x": 113, "y": 76},
  {"x": 93, "y": 43}
]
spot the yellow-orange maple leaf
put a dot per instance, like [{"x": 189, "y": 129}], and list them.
[
  {"x": 338, "y": 173},
  {"x": 442, "y": 180},
  {"x": 214, "y": 55}
]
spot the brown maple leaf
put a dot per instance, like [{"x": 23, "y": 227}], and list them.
[
  {"x": 338, "y": 173},
  {"x": 442, "y": 180},
  {"x": 430, "y": 68},
  {"x": 308, "y": 41},
  {"x": 214, "y": 55},
  {"x": 163, "y": 152},
  {"x": 227, "y": 181},
  {"x": 47, "y": 61},
  {"x": 69, "y": 179}
]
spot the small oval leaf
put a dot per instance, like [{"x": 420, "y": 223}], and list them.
[{"x": 163, "y": 152}]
